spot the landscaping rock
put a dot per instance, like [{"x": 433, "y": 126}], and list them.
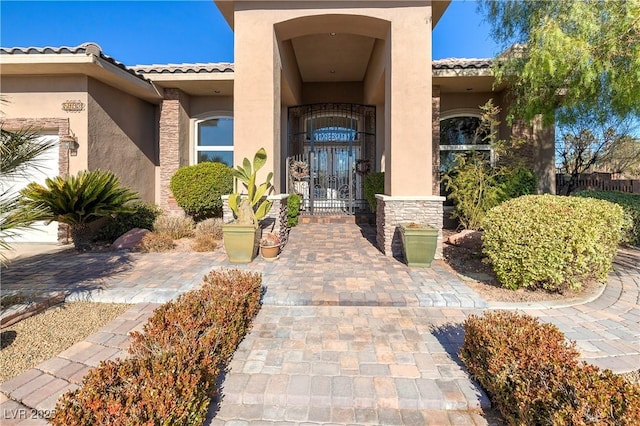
[
  {"x": 468, "y": 239},
  {"x": 130, "y": 240}
]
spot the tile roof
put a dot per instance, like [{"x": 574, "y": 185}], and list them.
[
  {"x": 459, "y": 63},
  {"x": 184, "y": 68},
  {"x": 88, "y": 48}
]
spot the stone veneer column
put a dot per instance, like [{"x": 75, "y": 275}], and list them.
[
  {"x": 435, "y": 138},
  {"x": 275, "y": 221},
  {"x": 392, "y": 211},
  {"x": 170, "y": 150}
]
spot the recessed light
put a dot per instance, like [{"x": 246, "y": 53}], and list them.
[
  {"x": 332, "y": 34},
  {"x": 332, "y": 71},
  {"x": 469, "y": 89},
  {"x": 216, "y": 91}
]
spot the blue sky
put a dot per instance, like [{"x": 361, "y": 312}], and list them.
[{"x": 158, "y": 32}]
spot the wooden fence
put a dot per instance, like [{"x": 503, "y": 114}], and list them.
[{"x": 598, "y": 182}]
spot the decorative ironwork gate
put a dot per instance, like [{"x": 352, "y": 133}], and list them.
[{"x": 332, "y": 148}]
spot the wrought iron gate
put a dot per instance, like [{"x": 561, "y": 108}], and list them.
[{"x": 332, "y": 148}]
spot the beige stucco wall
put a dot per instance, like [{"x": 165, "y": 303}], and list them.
[
  {"x": 205, "y": 106},
  {"x": 260, "y": 34},
  {"x": 122, "y": 134},
  {"x": 42, "y": 97}
]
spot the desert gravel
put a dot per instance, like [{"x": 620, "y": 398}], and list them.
[{"x": 38, "y": 338}]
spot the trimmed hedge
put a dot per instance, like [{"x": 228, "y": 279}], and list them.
[
  {"x": 551, "y": 242},
  {"x": 198, "y": 189},
  {"x": 171, "y": 375},
  {"x": 533, "y": 376},
  {"x": 293, "y": 209},
  {"x": 142, "y": 216},
  {"x": 630, "y": 203},
  {"x": 373, "y": 184}
]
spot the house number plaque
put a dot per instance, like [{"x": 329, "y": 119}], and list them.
[{"x": 72, "y": 106}]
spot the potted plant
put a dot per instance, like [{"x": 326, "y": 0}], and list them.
[
  {"x": 270, "y": 246},
  {"x": 241, "y": 236},
  {"x": 419, "y": 243}
]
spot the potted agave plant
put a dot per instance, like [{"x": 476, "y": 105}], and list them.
[
  {"x": 241, "y": 236},
  {"x": 419, "y": 243},
  {"x": 270, "y": 246}
]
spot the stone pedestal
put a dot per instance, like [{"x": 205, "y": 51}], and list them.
[{"x": 391, "y": 211}]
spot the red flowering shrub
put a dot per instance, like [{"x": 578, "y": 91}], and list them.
[
  {"x": 534, "y": 377},
  {"x": 171, "y": 375}
]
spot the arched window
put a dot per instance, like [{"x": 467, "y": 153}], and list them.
[
  {"x": 214, "y": 140},
  {"x": 460, "y": 135}
]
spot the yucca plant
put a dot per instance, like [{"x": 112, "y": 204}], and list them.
[{"x": 78, "y": 200}]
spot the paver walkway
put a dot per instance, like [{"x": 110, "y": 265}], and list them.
[{"x": 345, "y": 335}]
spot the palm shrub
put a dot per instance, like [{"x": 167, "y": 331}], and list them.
[
  {"x": 78, "y": 200},
  {"x": 198, "y": 189},
  {"x": 20, "y": 153}
]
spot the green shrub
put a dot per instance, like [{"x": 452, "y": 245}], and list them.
[
  {"x": 373, "y": 184},
  {"x": 293, "y": 209},
  {"x": 533, "y": 377},
  {"x": 212, "y": 227},
  {"x": 515, "y": 182},
  {"x": 475, "y": 187},
  {"x": 551, "y": 242},
  {"x": 198, "y": 189},
  {"x": 630, "y": 203},
  {"x": 171, "y": 374},
  {"x": 142, "y": 216},
  {"x": 175, "y": 226},
  {"x": 472, "y": 186}
]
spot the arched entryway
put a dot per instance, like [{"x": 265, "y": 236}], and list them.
[{"x": 332, "y": 147}]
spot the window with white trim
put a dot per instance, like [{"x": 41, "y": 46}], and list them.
[{"x": 214, "y": 140}]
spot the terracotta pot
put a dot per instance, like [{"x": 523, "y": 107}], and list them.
[{"x": 269, "y": 252}]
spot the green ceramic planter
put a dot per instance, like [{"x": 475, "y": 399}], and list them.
[
  {"x": 240, "y": 242},
  {"x": 419, "y": 244}
]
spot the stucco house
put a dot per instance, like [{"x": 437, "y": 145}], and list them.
[{"x": 346, "y": 87}]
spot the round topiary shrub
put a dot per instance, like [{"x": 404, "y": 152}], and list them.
[
  {"x": 551, "y": 242},
  {"x": 198, "y": 189}
]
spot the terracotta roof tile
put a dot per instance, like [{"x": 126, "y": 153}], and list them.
[
  {"x": 184, "y": 68},
  {"x": 89, "y": 48}
]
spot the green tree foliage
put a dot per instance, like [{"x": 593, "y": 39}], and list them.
[
  {"x": 20, "y": 153},
  {"x": 589, "y": 145},
  {"x": 569, "y": 54},
  {"x": 78, "y": 200}
]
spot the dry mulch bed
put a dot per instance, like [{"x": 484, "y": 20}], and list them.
[{"x": 40, "y": 337}]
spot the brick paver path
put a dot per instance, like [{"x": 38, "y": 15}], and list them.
[{"x": 345, "y": 335}]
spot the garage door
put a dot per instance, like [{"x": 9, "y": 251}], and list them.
[{"x": 47, "y": 167}]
